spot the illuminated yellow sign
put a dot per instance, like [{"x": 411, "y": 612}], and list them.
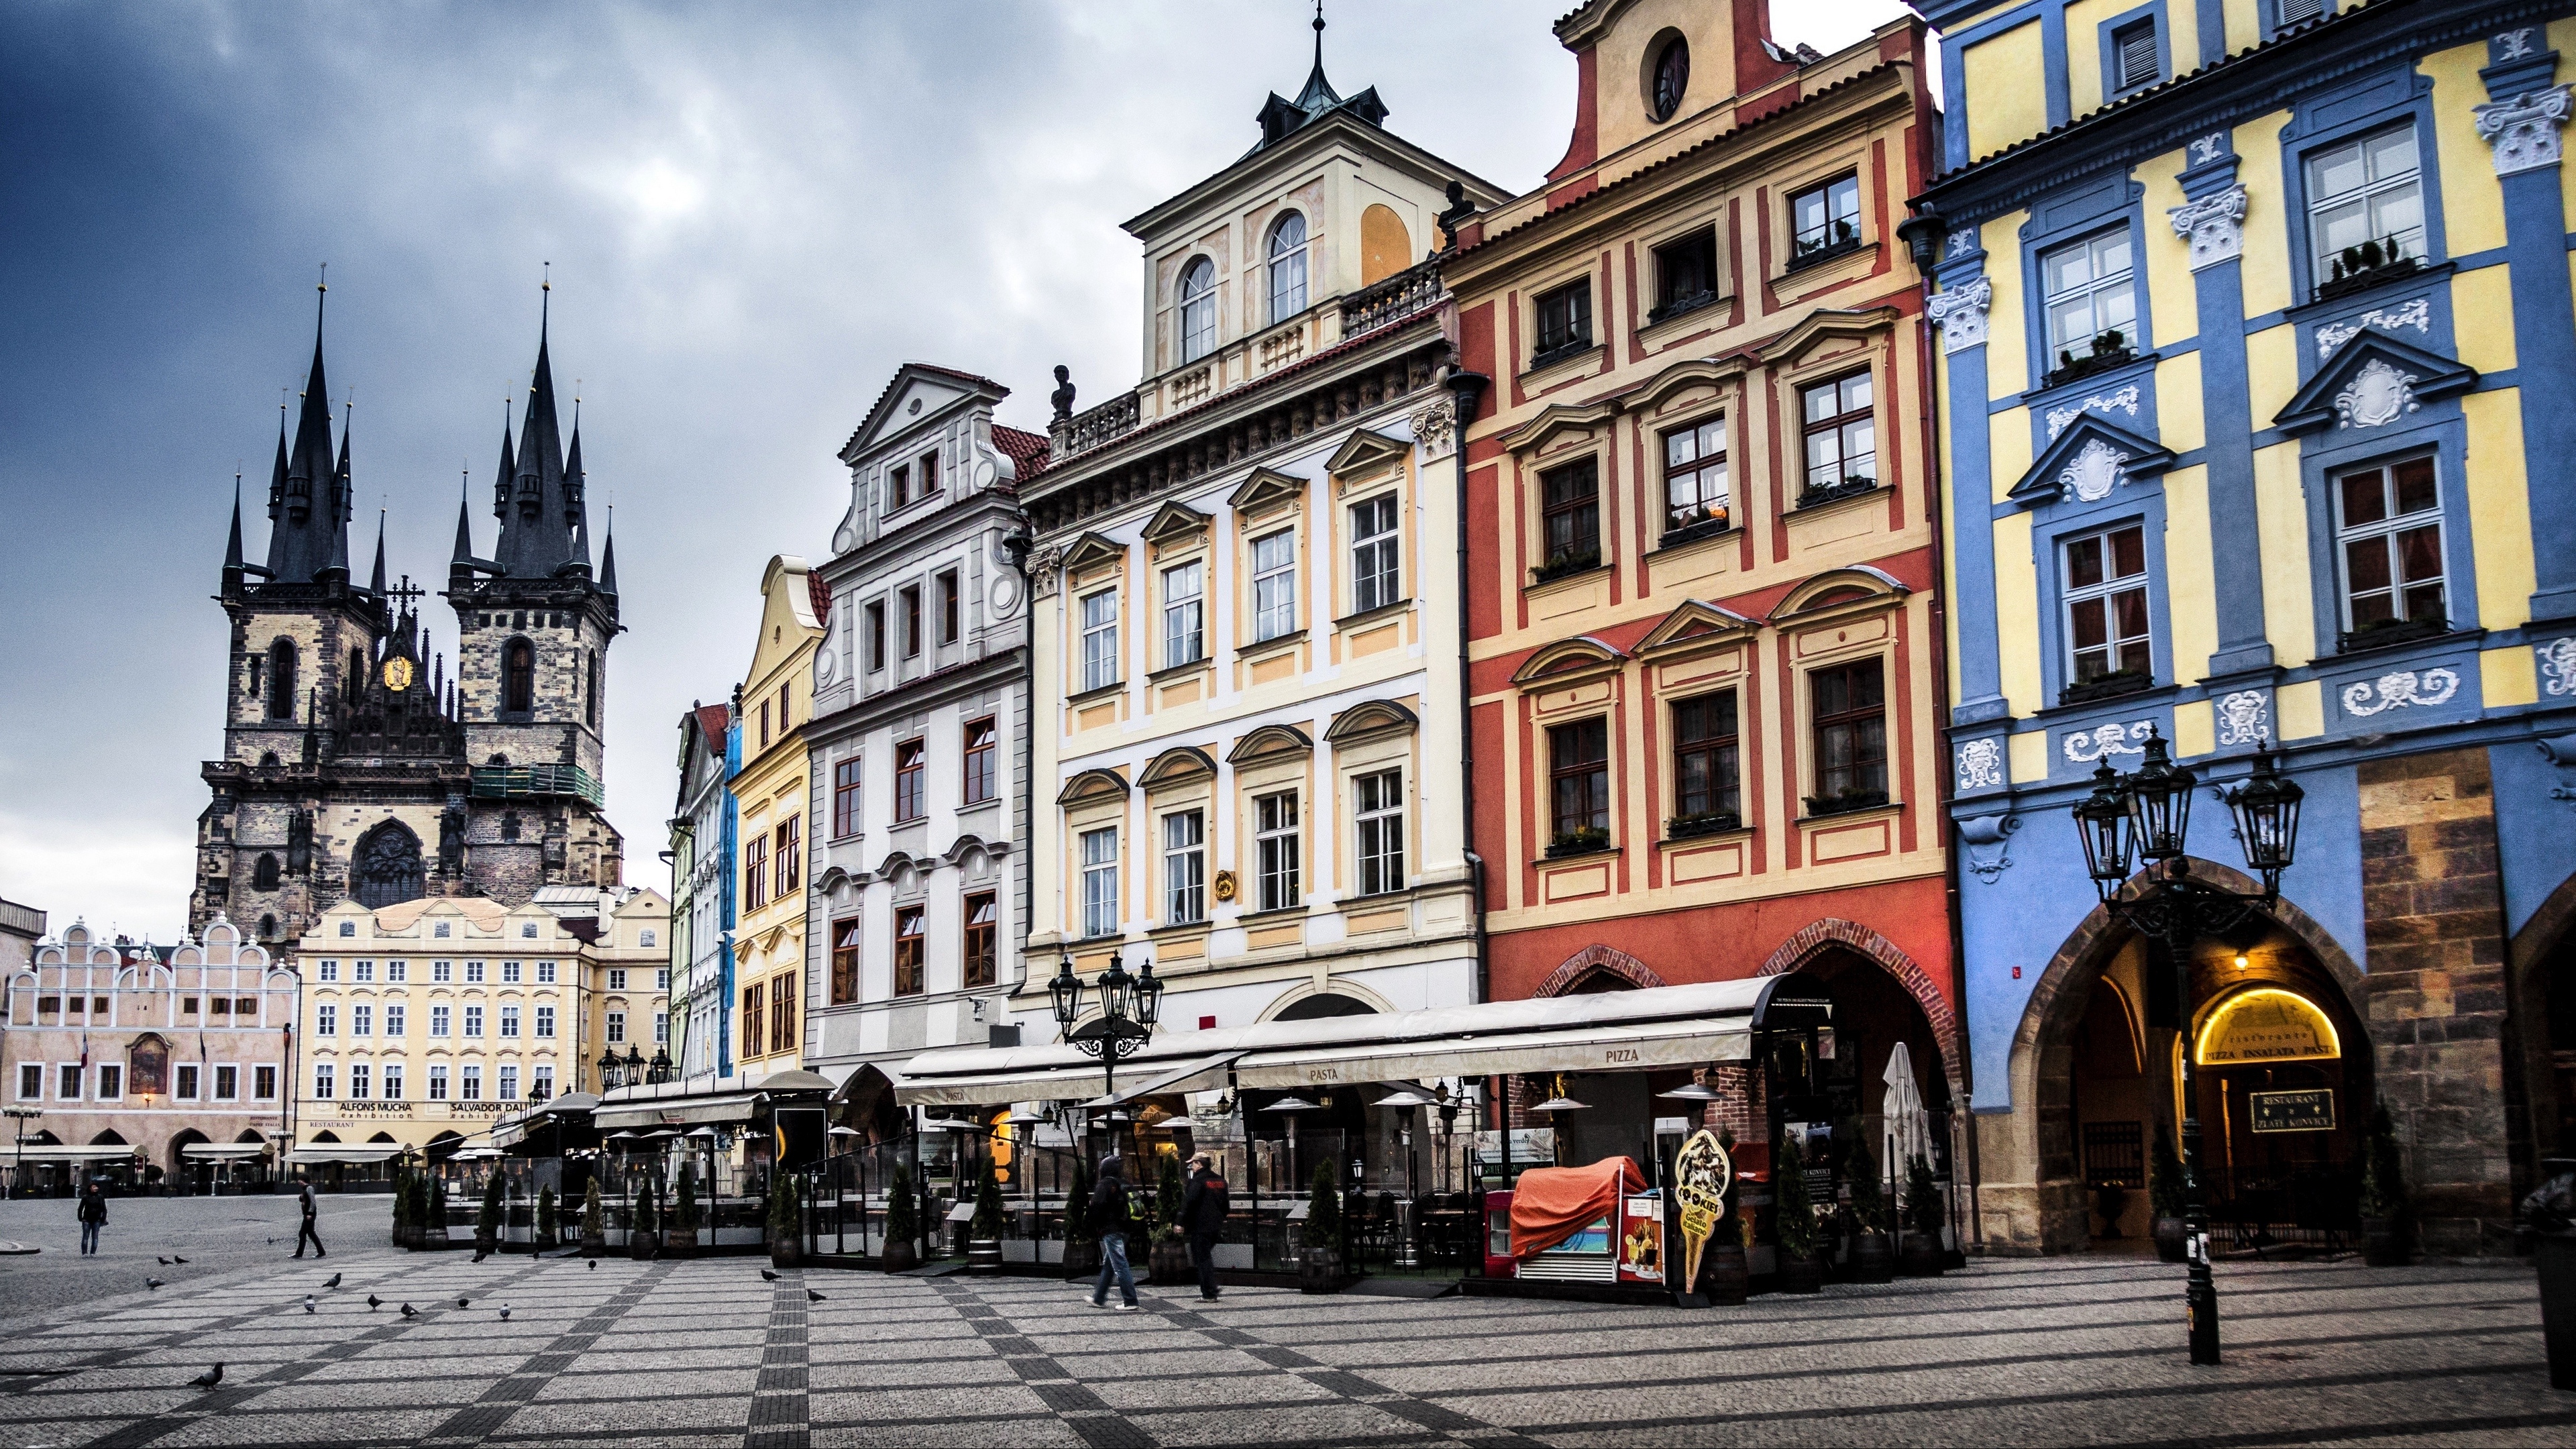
[{"x": 2266, "y": 1024}]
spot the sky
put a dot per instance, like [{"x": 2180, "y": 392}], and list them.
[{"x": 753, "y": 214}]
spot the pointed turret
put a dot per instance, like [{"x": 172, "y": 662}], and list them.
[
  {"x": 608, "y": 559},
  {"x": 535, "y": 538},
  {"x": 376, "y": 580},
  {"x": 233, "y": 547},
  {"x": 300, "y": 545},
  {"x": 576, "y": 509},
  {"x": 1279, "y": 116}
]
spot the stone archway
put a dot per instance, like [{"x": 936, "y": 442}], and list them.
[
  {"x": 1832, "y": 933},
  {"x": 1594, "y": 962},
  {"x": 2540, "y": 973}
]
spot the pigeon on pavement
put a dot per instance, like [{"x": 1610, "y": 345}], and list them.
[
  {"x": 505, "y": 1313},
  {"x": 594, "y": 1265},
  {"x": 308, "y": 1303},
  {"x": 410, "y": 1312},
  {"x": 374, "y": 1302},
  {"x": 209, "y": 1378},
  {"x": 151, "y": 1282},
  {"x": 334, "y": 1283},
  {"x": 164, "y": 1262},
  {"x": 461, "y": 1302},
  {"x": 813, "y": 1297},
  {"x": 480, "y": 1255},
  {"x": 175, "y": 1258},
  {"x": 767, "y": 1276}
]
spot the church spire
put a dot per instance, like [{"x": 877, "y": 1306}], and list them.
[
  {"x": 233, "y": 562},
  {"x": 311, "y": 512},
  {"x": 576, "y": 508},
  {"x": 376, "y": 581},
  {"x": 534, "y": 537},
  {"x": 608, "y": 557}
]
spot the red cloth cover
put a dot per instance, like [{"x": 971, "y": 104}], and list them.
[{"x": 1552, "y": 1204}]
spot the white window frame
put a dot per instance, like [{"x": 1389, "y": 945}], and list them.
[
  {"x": 362, "y": 971},
  {"x": 394, "y": 1015},
  {"x": 2369, "y": 193},
  {"x": 1276, "y": 838},
  {"x": 616, "y": 978},
  {"x": 362, "y": 1019},
  {"x": 360, "y": 1082},
  {"x": 2097, "y": 286},
  {"x": 330, "y": 971},
  {"x": 38, "y": 1068},
  {"x": 389, "y": 1081},
  {"x": 227, "y": 1082},
  {"x": 1377, "y": 558},
  {"x": 1185, "y": 867},
  {"x": 1099, "y": 618},
  {"x": 2385, "y": 530},
  {"x": 474, "y": 1023},
  {"x": 615, "y": 1030},
  {"x": 1274, "y": 584},
  {"x": 2107, "y": 591},
  {"x": 545, "y": 1023},
  {"x": 469, "y": 1082},
  {"x": 437, "y": 1082},
  {"x": 438, "y": 1021},
  {"x": 473, "y": 973},
  {"x": 1099, "y": 855},
  {"x": 1377, "y": 807},
  {"x": 323, "y": 1081},
  {"x": 541, "y": 1080},
  {"x": 545, "y": 973},
  {"x": 263, "y": 1081},
  {"x": 442, "y": 971},
  {"x": 1197, "y": 311},
  {"x": 510, "y": 973},
  {"x": 326, "y": 1018},
  {"x": 1185, "y": 613},
  {"x": 111, "y": 1082},
  {"x": 1285, "y": 267},
  {"x": 508, "y": 1078}
]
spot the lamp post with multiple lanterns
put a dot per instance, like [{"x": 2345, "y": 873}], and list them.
[
  {"x": 2141, "y": 821},
  {"x": 1129, "y": 1007}
]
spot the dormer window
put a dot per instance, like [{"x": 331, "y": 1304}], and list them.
[
  {"x": 1671, "y": 80},
  {"x": 1198, "y": 309},
  {"x": 1287, "y": 267},
  {"x": 898, "y": 486}
]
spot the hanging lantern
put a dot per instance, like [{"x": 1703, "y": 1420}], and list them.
[
  {"x": 1117, "y": 992},
  {"x": 2266, "y": 807},
  {"x": 2101, "y": 822},
  {"x": 1066, "y": 991},
  {"x": 1149, "y": 997},
  {"x": 2159, "y": 805}
]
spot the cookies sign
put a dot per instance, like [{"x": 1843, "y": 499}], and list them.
[{"x": 1702, "y": 1173}]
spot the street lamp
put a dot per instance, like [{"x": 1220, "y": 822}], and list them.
[
  {"x": 1129, "y": 1007},
  {"x": 610, "y": 1077},
  {"x": 2145, "y": 817},
  {"x": 660, "y": 1070}
]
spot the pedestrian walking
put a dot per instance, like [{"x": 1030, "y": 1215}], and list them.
[
  {"x": 1203, "y": 1213},
  {"x": 93, "y": 1216},
  {"x": 1110, "y": 1215},
  {"x": 304, "y": 1199}
]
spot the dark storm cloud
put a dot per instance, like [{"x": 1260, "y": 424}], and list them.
[{"x": 753, "y": 214}]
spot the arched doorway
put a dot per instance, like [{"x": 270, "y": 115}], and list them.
[
  {"x": 190, "y": 1174},
  {"x": 387, "y": 868}
]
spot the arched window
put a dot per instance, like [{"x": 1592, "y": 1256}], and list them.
[
  {"x": 1198, "y": 309},
  {"x": 281, "y": 679},
  {"x": 388, "y": 869},
  {"x": 268, "y": 928},
  {"x": 1287, "y": 267},
  {"x": 518, "y": 677},
  {"x": 263, "y": 876},
  {"x": 1672, "y": 79},
  {"x": 357, "y": 675},
  {"x": 590, "y": 687}
]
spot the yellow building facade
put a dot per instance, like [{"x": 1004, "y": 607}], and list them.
[{"x": 773, "y": 800}]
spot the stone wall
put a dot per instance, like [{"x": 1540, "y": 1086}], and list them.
[{"x": 2433, "y": 918}]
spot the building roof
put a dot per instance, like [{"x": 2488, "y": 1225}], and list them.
[
  {"x": 712, "y": 721},
  {"x": 819, "y": 594},
  {"x": 1029, "y": 452},
  {"x": 484, "y": 913},
  {"x": 885, "y": 399}
]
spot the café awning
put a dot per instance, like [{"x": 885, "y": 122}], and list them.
[
  {"x": 224, "y": 1151},
  {"x": 718, "y": 1107},
  {"x": 355, "y": 1153},
  {"x": 57, "y": 1152},
  {"x": 1656, "y": 1027}
]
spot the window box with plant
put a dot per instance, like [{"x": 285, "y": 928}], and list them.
[
  {"x": 1564, "y": 324},
  {"x": 2381, "y": 633},
  {"x": 1844, "y": 802},
  {"x": 1582, "y": 841},
  {"x": 2358, "y": 269},
  {"x": 2109, "y": 349},
  {"x": 1685, "y": 827},
  {"x": 1566, "y": 564},
  {"x": 1824, "y": 222},
  {"x": 2107, "y": 686},
  {"x": 1839, "y": 428}
]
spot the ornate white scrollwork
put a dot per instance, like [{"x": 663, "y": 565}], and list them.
[
  {"x": 2557, "y": 660},
  {"x": 2400, "y": 688},
  {"x": 2085, "y": 747},
  {"x": 2126, "y": 400},
  {"x": 1046, "y": 571},
  {"x": 1981, "y": 764},
  {"x": 1961, "y": 314},
  {"x": 2378, "y": 394},
  {"x": 2514, "y": 44},
  {"x": 2096, "y": 469},
  {"x": 2245, "y": 718},
  {"x": 2524, "y": 130},
  {"x": 2417, "y": 314},
  {"x": 1988, "y": 843},
  {"x": 2214, "y": 225},
  {"x": 1435, "y": 428},
  {"x": 2209, "y": 148}
]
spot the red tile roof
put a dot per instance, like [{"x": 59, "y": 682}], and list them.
[
  {"x": 1029, "y": 452},
  {"x": 712, "y": 719},
  {"x": 819, "y": 594}
]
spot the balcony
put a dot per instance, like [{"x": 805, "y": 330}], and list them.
[
  {"x": 493, "y": 782},
  {"x": 1391, "y": 299}
]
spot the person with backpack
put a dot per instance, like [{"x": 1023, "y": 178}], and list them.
[
  {"x": 1203, "y": 1212},
  {"x": 1110, "y": 1217}
]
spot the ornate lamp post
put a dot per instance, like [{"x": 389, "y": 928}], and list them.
[
  {"x": 2142, "y": 821},
  {"x": 1129, "y": 1007},
  {"x": 611, "y": 1072},
  {"x": 660, "y": 1069}
]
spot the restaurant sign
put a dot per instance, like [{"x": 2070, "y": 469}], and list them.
[
  {"x": 2267, "y": 1024},
  {"x": 2306, "y": 1110}
]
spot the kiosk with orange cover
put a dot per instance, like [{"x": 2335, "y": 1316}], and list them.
[{"x": 1600, "y": 1223}]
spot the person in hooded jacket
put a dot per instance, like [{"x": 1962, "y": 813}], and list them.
[
  {"x": 1203, "y": 1210},
  {"x": 1110, "y": 1217}
]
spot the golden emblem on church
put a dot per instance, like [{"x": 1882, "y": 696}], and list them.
[{"x": 398, "y": 674}]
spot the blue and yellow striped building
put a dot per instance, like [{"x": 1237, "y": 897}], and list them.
[{"x": 2256, "y": 343}]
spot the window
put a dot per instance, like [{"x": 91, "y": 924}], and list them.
[
  {"x": 1705, "y": 762},
  {"x": 437, "y": 1082},
  {"x": 2133, "y": 56},
  {"x": 2106, "y": 605},
  {"x": 326, "y": 1020},
  {"x": 1564, "y": 322},
  {"x": 1184, "y": 615},
  {"x": 1100, "y": 882},
  {"x": 469, "y": 1086},
  {"x": 616, "y": 978},
  {"x": 1578, "y": 769},
  {"x": 111, "y": 1082},
  {"x": 393, "y": 1082},
  {"x": 546, "y": 969},
  {"x": 876, "y": 635},
  {"x": 926, "y": 474},
  {"x": 661, "y": 976},
  {"x": 544, "y": 1084},
  {"x": 263, "y": 1083},
  {"x": 661, "y": 1028},
  {"x": 782, "y": 1013},
  {"x": 1100, "y": 639},
  {"x": 1274, "y": 585},
  {"x": 1824, "y": 220},
  {"x": 330, "y": 971},
  {"x": 509, "y": 1082},
  {"x": 2300, "y": 12},
  {"x": 908, "y": 950},
  {"x": 358, "y": 1086},
  {"x": 981, "y": 742},
  {"x": 1184, "y": 868},
  {"x": 1695, "y": 492},
  {"x": 363, "y": 971},
  {"x": 785, "y": 723},
  {"x": 791, "y": 854},
  {"x": 393, "y": 1018},
  {"x": 68, "y": 1086},
  {"x": 510, "y": 973},
  {"x": 845, "y": 799},
  {"x": 1274, "y": 828},
  {"x": 2368, "y": 191},
  {"x": 764, "y": 724},
  {"x": 322, "y": 1083},
  {"x": 473, "y": 973},
  {"x": 2088, "y": 292},
  {"x": 1198, "y": 309},
  {"x": 518, "y": 677},
  {"x": 281, "y": 679},
  {"x": 982, "y": 955},
  {"x": 474, "y": 1021},
  {"x": 394, "y": 971},
  {"x": 1842, "y": 438},
  {"x": 911, "y": 597},
  {"x": 510, "y": 1022},
  {"x": 1672, "y": 80},
  {"x": 951, "y": 605},
  {"x": 845, "y": 961},
  {"x": 1570, "y": 499},
  {"x": 442, "y": 970},
  {"x": 545, "y": 1021},
  {"x": 1378, "y": 801},
  {"x": 643, "y": 938},
  {"x": 2389, "y": 531},
  {"x": 1376, "y": 574},
  {"x": 616, "y": 1029},
  {"x": 1685, "y": 274},
  {"x": 1850, "y": 711},
  {"x": 263, "y": 875},
  {"x": 1287, "y": 267},
  {"x": 438, "y": 1021},
  {"x": 755, "y": 873},
  {"x": 440, "y": 930},
  {"x": 909, "y": 795},
  {"x": 752, "y": 1037},
  {"x": 31, "y": 1081},
  {"x": 898, "y": 486}
]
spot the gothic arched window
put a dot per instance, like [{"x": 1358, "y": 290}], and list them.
[
  {"x": 590, "y": 688},
  {"x": 263, "y": 876},
  {"x": 519, "y": 677},
  {"x": 268, "y": 928},
  {"x": 1287, "y": 267},
  {"x": 281, "y": 679},
  {"x": 387, "y": 868},
  {"x": 1198, "y": 309}
]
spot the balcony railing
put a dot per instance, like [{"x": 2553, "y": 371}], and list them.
[
  {"x": 495, "y": 782},
  {"x": 1092, "y": 427},
  {"x": 1393, "y": 298}
]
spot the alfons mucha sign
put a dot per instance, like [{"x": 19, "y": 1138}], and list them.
[{"x": 2267, "y": 1024}]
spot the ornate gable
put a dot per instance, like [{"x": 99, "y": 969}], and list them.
[
  {"x": 1826, "y": 324},
  {"x": 2087, "y": 461},
  {"x": 1091, "y": 785},
  {"x": 1590, "y": 419},
  {"x": 1370, "y": 719},
  {"x": 1092, "y": 550},
  {"x": 1266, "y": 488},
  {"x": 1363, "y": 450},
  {"x": 1181, "y": 762},
  {"x": 1173, "y": 522},
  {"x": 1695, "y": 622},
  {"x": 1551, "y": 663},
  {"x": 1270, "y": 739},
  {"x": 2373, "y": 381}
]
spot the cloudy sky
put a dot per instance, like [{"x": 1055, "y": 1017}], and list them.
[{"x": 753, "y": 214}]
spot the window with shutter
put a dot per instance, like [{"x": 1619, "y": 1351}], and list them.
[{"x": 2137, "y": 55}]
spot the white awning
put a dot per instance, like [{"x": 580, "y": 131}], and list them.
[
  {"x": 224, "y": 1150},
  {"x": 675, "y": 1111},
  {"x": 1193, "y": 1076},
  {"x": 55, "y": 1152},
  {"x": 359, "y": 1153},
  {"x": 1663, "y": 1026}
]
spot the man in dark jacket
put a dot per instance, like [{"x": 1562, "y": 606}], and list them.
[
  {"x": 1203, "y": 1211},
  {"x": 1109, "y": 1218},
  {"x": 306, "y": 1234},
  {"x": 93, "y": 1216}
]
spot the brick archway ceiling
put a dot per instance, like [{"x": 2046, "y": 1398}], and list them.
[
  {"x": 1833, "y": 932},
  {"x": 1603, "y": 961}
]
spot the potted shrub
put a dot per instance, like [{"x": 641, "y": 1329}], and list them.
[
  {"x": 681, "y": 1239},
  {"x": 1081, "y": 1247},
  {"x": 644, "y": 1233},
  {"x": 1920, "y": 1254},
  {"x": 2386, "y": 1224},
  {"x": 546, "y": 1220},
  {"x": 2164, "y": 1198},
  {"x": 902, "y": 1226},
  {"x": 404, "y": 1227},
  {"x": 1793, "y": 1217},
  {"x": 433, "y": 1231},
  {"x": 1171, "y": 1251},
  {"x": 786, "y": 1232},
  {"x": 1319, "y": 1265},
  {"x": 984, "y": 1233},
  {"x": 1873, "y": 1260},
  {"x": 487, "y": 1220},
  {"x": 594, "y": 1229},
  {"x": 1722, "y": 1264}
]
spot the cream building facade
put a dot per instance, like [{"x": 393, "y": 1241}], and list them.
[{"x": 771, "y": 795}]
